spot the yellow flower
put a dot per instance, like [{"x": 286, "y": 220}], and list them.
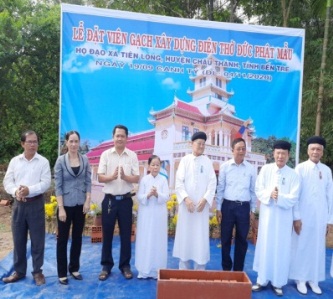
[
  {"x": 51, "y": 207},
  {"x": 93, "y": 206},
  {"x": 95, "y": 209},
  {"x": 174, "y": 220},
  {"x": 213, "y": 221},
  {"x": 49, "y": 210}
]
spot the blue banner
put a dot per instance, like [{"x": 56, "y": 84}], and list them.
[{"x": 226, "y": 79}]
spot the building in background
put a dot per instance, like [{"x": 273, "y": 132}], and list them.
[{"x": 174, "y": 125}]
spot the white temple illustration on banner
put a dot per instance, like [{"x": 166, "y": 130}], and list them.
[{"x": 174, "y": 125}]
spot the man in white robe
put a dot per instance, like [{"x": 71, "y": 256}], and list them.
[
  {"x": 277, "y": 188},
  {"x": 311, "y": 216},
  {"x": 195, "y": 189}
]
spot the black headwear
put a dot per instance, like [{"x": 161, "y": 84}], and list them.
[
  {"x": 316, "y": 139},
  {"x": 199, "y": 135},
  {"x": 282, "y": 144}
]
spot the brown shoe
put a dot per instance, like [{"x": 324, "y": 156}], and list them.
[
  {"x": 126, "y": 271},
  {"x": 103, "y": 275},
  {"x": 39, "y": 279},
  {"x": 13, "y": 278}
]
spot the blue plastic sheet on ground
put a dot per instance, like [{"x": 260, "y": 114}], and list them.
[{"x": 116, "y": 287}]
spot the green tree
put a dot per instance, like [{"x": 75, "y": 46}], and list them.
[
  {"x": 323, "y": 64},
  {"x": 29, "y": 75},
  {"x": 265, "y": 146},
  {"x": 317, "y": 99},
  {"x": 172, "y": 8},
  {"x": 318, "y": 67}
]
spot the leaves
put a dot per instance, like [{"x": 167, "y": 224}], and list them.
[
  {"x": 29, "y": 61},
  {"x": 29, "y": 75}
]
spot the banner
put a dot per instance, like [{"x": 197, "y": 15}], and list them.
[{"x": 225, "y": 79}]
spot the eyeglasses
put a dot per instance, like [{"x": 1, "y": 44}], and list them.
[{"x": 32, "y": 142}]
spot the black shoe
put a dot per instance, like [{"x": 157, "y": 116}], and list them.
[
  {"x": 77, "y": 275},
  {"x": 63, "y": 281}
]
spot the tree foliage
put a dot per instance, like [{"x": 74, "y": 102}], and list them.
[
  {"x": 265, "y": 146},
  {"x": 29, "y": 75},
  {"x": 173, "y": 8}
]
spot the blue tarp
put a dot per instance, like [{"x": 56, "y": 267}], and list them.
[{"x": 116, "y": 286}]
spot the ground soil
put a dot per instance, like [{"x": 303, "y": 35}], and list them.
[{"x": 6, "y": 240}]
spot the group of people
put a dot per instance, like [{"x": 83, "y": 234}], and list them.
[
  {"x": 295, "y": 208},
  {"x": 27, "y": 178}
]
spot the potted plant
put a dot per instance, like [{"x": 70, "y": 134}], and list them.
[
  {"x": 96, "y": 212},
  {"x": 254, "y": 226},
  {"x": 50, "y": 215},
  {"x": 214, "y": 227}
]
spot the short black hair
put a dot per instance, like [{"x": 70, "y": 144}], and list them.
[
  {"x": 27, "y": 133},
  {"x": 152, "y": 157},
  {"x": 122, "y": 127},
  {"x": 236, "y": 141}
]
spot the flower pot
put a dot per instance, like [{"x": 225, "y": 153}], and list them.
[
  {"x": 51, "y": 225},
  {"x": 215, "y": 233},
  {"x": 254, "y": 229},
  {"x": 98, "y": 220},
  {"x": 133, "y": 233},
  {"x": 171, "y": 232}
]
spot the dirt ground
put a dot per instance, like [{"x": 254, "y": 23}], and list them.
[{"x": 6, "y": 240}]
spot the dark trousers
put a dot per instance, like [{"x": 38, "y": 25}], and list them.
[
  {"x": 74, "y": 217},
  {"x": 121, "y": 210},
  {"x": 28, "y": 216},
  {"x": 238, "y": 215}
]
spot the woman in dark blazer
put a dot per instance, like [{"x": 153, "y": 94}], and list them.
[{"x": 73, "y": 190}]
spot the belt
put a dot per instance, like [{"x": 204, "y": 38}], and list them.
[
  {"x": 238, "y": 202},
  {"x": 30, "y": 199},
  {"x": 121, "y": 197}
]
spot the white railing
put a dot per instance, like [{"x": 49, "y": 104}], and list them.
[{"x": 222, "y": 153}]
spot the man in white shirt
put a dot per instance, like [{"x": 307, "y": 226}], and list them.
[
  {"x": 118, "y": 169},
  {"x": 277, "y": 188},
  {"x": 28, "y": 176},
  {"x": 311, "y": 216},
  {"x": 195, "y": 189},
  {"x": 235, "y": 199}
]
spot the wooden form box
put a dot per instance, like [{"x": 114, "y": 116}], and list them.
[{"x": 180, "y": 284}]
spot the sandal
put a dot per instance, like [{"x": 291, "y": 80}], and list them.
[
  {"x": 127, "y": 273},
  {"x": 103, "y": 275}
]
